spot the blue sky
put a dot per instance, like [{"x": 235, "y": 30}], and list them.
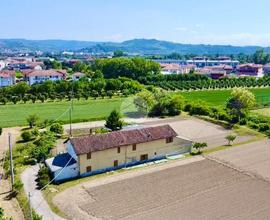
[{"x": 236, "y": 22}]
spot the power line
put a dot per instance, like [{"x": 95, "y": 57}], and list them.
[{"x": 52, "y": 181}]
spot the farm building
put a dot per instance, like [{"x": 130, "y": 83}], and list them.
[{"x": 104, "y": 152}]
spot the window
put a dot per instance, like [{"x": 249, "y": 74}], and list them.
[
  {"x": 169, "y": 140},
  {"x": 144, "y": 157},
  {"x": 118, "y": 150},
  {"x": 88, "y": 156},
  {"x": 133, "y": 147},
  {"x": 88, "y": 169},
  {"x": 115, "y": 163}
]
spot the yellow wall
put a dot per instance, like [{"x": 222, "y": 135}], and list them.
[{"x": 105, "y": 159}]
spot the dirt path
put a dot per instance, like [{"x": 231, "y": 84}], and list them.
[{"x": 11, "y": 207}]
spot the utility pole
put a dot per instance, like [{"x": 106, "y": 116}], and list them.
[
  {"x": 30, "y": 206},
  {"x": 11, "y": 160},
  {"x": 70, "y": 121}
]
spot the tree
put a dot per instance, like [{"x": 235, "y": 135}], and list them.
[
  {"x": 199, "y": 146},
  {"x": 230, "y": 138},
  {"x": 32, "y": 120},
  {"x": 57, "y": 128},
  {"x": 118, "y": 53},
  {"x": 240, "y": 102},
  {"x": 144, "y": 101},
  {"x": 113, "y": 122}
]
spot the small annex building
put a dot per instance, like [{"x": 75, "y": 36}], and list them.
[{"x": 110, "y": 151}]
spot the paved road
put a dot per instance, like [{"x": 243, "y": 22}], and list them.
[
  {"x": 38, "y": 202},
  {"x": 94, "y": 124}
]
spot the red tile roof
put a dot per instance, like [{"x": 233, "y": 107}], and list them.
[
  {"x": 7, "y": 73},
  {"x": 99, "y": 142},
  {"x": 50, "y": 72}
]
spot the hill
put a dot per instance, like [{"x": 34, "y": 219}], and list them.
[{"x": 139, "y": 46}]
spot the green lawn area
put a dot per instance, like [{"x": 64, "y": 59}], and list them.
[
  {"x": 90, "y": 110},
  {"x": 219, "y": 97},
  {"x": 84, "y": 110}
]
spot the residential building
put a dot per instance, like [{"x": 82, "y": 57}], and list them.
[
  {"x": 105, "y": 152},
  {"x": 266, "y": 69},
  {"x": 255, "y": 70},
  {"x": 39, "y": 76},
  {"x": 201, "y": 62},
  {"x": 216, "y": 72},
  {"x": 7, "y": 78},
  {"x": 176, "y": 68},
  {"x": 78, "y": 75}
]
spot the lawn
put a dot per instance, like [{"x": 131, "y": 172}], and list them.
[
  {"x": 219, "y": 97},
  {"x": 90, "y": 110},
  {"x": 84, "y": 110}
]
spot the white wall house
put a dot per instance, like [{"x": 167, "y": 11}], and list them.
[
  {"x": 40, "y": 76},
  {"x": 7, "y": 78}
]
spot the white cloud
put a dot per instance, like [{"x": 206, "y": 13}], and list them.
[{"x": 181, "y": 29}]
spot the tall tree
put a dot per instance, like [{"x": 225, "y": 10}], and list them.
[{"x": 113, "y": 122}]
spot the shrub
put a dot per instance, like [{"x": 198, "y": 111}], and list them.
[
  {"x": 26, "y": 136},
  {"x": 57, "y": 128},
  {"x": 252, "y": 125},
  {"x": 263, "y": 127},
  {"x": 43, "y": 176},
  {"x": 199, "y": 109}
]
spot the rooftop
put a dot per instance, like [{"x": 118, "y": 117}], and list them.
[
  {"x": 99, "y": 142},
  {"x": 59, "y": 162}
]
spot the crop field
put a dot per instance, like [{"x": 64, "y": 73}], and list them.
[
  {"x": 83, "y": 110},
  {"x": 199, "y": 190},
  {"x": 219, "y": 97}
]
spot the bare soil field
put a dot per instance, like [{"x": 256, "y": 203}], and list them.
[
  {"x": 199, "y": 190},
  {"x": 253, "y": 158}
]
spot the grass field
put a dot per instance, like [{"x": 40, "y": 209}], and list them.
[
  {"x": 87, "y": 110},
  {"x": 219, "y": 97},
  {"x": 84, "y": 110}
]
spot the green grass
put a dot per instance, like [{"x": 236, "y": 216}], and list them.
[
  {"x": 84, "y": 110},
  {"x": 90, "y": 110},
  {"x": 219, "y": 97}
]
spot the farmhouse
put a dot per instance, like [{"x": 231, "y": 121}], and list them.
[
  {"x": 39, "y": 76},
  {"x": 104, "y": 152}
]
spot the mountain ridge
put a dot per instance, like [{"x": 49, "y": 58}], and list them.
[{"x": 136, "y": 46}]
